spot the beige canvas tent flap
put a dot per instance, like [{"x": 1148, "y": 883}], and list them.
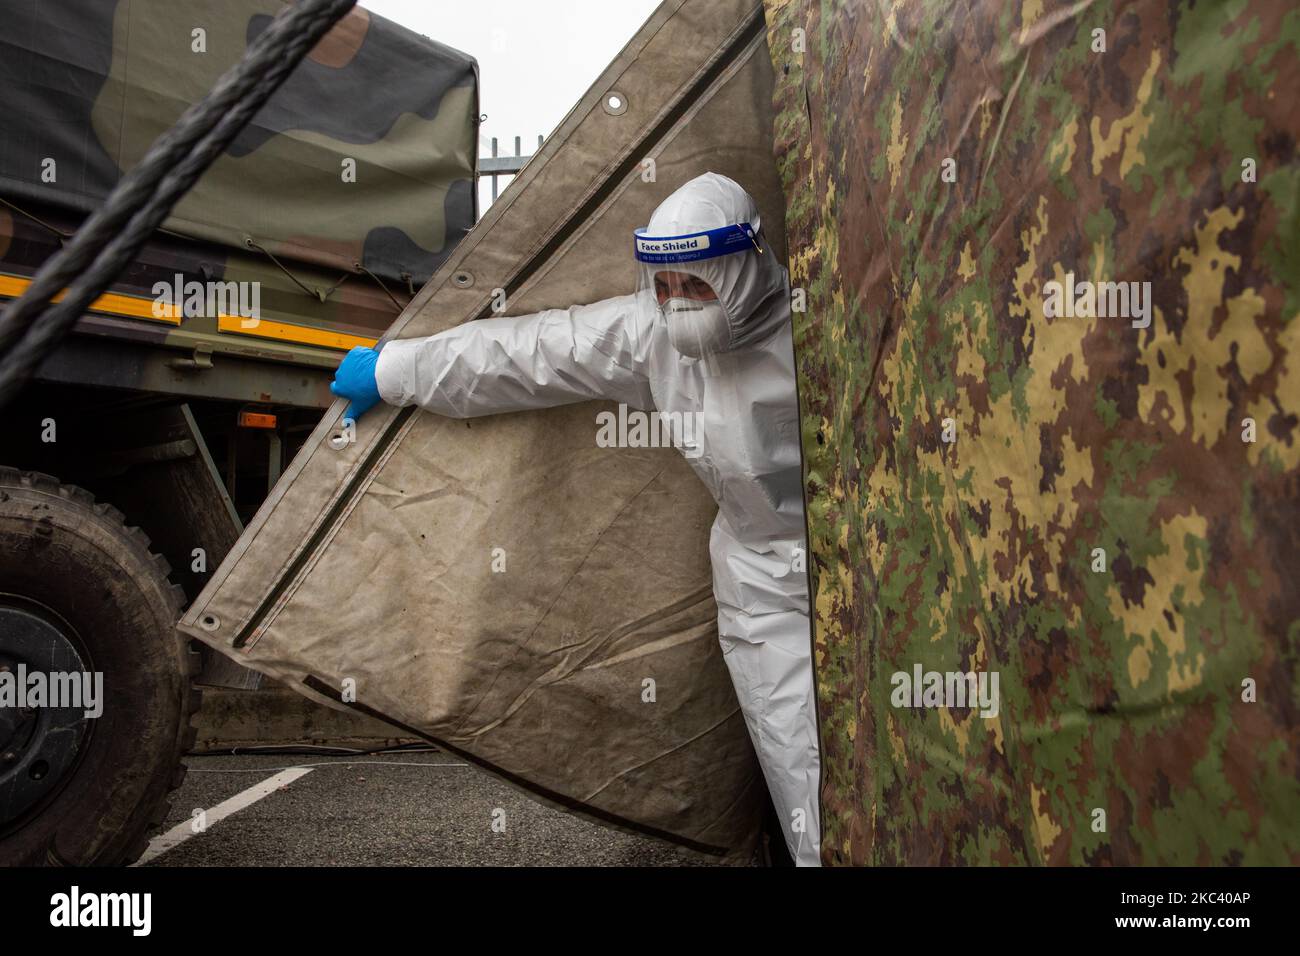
[{"x": 505, "y": 586}]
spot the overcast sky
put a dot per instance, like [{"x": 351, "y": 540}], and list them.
[{"x": 535, "y": 59}]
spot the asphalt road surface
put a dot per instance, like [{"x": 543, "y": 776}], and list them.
[{"x": 404, "y": 809}]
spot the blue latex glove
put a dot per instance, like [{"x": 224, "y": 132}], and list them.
[{"x": 354, "y": 380}]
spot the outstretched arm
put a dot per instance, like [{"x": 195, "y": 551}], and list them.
[{"x": 510, "y": 364}]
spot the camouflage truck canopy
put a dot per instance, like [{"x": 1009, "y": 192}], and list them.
[
  {"x": 1091, "y": 491},
  {"x": 324, "y": 258},
  {"x": 367, "y": 154}
]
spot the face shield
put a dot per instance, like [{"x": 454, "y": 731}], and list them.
[{"x": 684, "y": 281}]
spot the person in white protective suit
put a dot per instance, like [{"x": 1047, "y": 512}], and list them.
[{"x": 707, "y": 334}]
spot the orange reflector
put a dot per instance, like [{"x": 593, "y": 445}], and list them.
[{"x": 256, "y": 420}]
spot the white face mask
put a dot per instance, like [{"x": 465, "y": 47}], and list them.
[{"x": 697, "y": 328}]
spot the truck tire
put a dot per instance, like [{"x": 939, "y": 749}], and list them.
[{"x": 79, "y": 590}]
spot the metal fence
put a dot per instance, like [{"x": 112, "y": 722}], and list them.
[{"x": 498, "y": 166}]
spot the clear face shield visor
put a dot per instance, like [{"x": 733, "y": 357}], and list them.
[{"x": 682, "y": 282}]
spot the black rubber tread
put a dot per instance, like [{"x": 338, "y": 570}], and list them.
[{"x": 134, "y": 839}]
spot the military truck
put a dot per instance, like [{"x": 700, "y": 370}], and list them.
[{"x": 129, "y": 466}]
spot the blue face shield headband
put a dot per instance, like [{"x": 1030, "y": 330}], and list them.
[{"x": 695, "y": 246}]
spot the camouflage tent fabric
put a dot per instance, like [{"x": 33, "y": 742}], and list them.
[
  {"x": 1049, "y": 375},
  {"x": 366, "y": 154}
]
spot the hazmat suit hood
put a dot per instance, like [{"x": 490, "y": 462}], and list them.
[{"x": 751, "y": 285}]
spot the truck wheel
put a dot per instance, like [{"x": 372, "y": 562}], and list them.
[{"x": 80, "y": 591}]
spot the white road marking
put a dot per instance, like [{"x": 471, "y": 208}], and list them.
[{"x": 184, "y": 830}]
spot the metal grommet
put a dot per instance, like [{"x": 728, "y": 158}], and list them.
[
  {"x": 615, "y": 103},
  {"x": 462, "y": 279},
  {"x": 210, "y": 622}
]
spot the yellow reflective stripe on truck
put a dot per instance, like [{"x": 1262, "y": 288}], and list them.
[
  {"x": 140, "y": 307},
  {"x": 114, "y": 303},
  {"x": 285, "y": 332}
]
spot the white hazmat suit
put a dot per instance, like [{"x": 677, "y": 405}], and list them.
[{"x": 732, "y": 370}]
